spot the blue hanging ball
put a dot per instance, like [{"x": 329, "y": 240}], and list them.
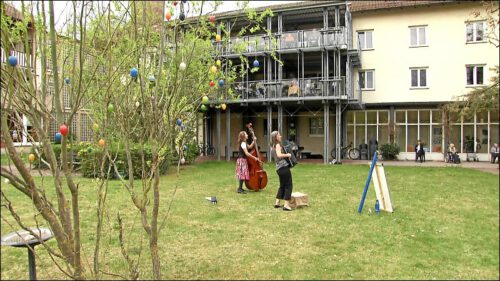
[
  {"x": 13, "y": 60},
  {"x": 221, "y": 82},
  {"x": 151, "y": 78},
  {"x": 134, "y": 72},
  {"x": 184, "y": 1},
  {"x": 58, "y": 138},
  {"x": 179, "y": 122},
  {"x": 256, "y": 63},
  {"x": 182, "y": 16},
  {"x": 66, "y": 80},
  {"x": 185, "y": 147}
]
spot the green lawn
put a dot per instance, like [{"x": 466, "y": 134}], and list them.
[{"x": 445, "y": 226}]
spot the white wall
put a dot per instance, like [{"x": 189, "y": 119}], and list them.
[{"x": 446, "y": 55}]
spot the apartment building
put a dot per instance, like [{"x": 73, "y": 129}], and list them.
[{"x": 358, "y": 72}]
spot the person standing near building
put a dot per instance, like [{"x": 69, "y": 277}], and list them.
[
  {"x": 495, "y": 150},
  {"x": 283, "y": 171},
  {"x": 241, "y": 170}
]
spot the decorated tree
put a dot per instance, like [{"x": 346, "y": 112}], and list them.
[{"x": 143, "y": 81}]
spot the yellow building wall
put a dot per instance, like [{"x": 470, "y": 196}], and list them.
[{"x": 446, "y": 56}]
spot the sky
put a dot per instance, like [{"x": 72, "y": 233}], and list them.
[{"x": 62, "y": 9}]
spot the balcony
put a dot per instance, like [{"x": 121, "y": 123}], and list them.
[
  {"x": 304, "y": 89},
  {"x": 313, "y": 39},
  {"x": 22, "y": 58}
]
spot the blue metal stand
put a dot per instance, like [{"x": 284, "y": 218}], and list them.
[{"x": 374, "y": 161}]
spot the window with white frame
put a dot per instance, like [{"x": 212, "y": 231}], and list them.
[
  {"x": 475, "y": 75},
  {"x": 418, "y": 36},
  {"x": 367, "y": 80},
  {"x": 418, "y": 77},
  {"x": 365, "y": 39},
  {"x": 315, "y": 126},
  {"x": 475, "y": 31}
]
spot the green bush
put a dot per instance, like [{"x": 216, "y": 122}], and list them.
[
  {"x": 92, "y": 157},
  {"x": 389, "y": 151},
  {"x": 72, "y": 149}
]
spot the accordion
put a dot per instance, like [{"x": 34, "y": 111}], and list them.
[{"x": 292, "y": 161}]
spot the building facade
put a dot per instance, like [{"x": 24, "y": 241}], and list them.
[{"x": 357, "y": 73}]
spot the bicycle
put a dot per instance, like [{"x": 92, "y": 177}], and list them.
[
  {"x": 349, "y": 151},
  {"x": 206, "y": 149}
]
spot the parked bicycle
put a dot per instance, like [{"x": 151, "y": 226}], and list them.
[
  {"x": 347, "y": 151},
  {"x": 206, "y": 149}
]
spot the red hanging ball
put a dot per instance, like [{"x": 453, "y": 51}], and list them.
[
  {"x": 212, "y": 83},
  {"x": 63, "y": 130}
]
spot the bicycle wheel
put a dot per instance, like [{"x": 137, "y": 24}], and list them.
[
  {"x": 354, "y": 154},
  {"x": 332, "y": 152}
]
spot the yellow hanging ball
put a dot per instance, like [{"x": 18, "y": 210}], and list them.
[
  {"x": 223, "y": 106},
  {"x": 218, "y": 63},
  {"x": 217, "y": 38},
  {"x": 102, "y": 142},
  {"x": 31, "y": 157},
  {"x": 95, "y": 127},
  {"x": 213, "y": 68}
]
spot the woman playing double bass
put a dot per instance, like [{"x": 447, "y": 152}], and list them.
[{"x": 242, "y": 172}]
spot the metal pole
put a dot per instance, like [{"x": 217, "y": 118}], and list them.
[
  {"x": 374, "y": 161},
  {"x": 31, "y": 263}
]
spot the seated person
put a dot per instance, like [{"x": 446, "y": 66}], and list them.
[
  {"x": 419, "y": 152},
  {"x": 294, "y": 89},
  {"x": 260, "y": 90},
  {"x": 495, "y": 153},
  {"x": 453, "y": 152}
]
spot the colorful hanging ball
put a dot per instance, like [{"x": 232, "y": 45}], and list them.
[
  {"x": 184, "y": 1},
  {"x": 217, "y": 38},
  {"x": 57, "y": 138},
  {"x": 256, "y": 63},
  {"x": 183, "y": 127},
  {"x": 137, "y": 104},
  {"x": 182, "y": 66},
  {"x": 204, "y": 100},
  {"x": 63, "y": 129},
  {"x": 218, "y": 63},
  {"x": 7, "y": 181},
  {"x": 185, "y": 147},
  {"x": 12, "y": 60},
  {"x": 203, "y": 108},
  {"x": 221, "y": 82},
  {"x": 212, "y": 18},
  {"x": 212, "y": 83},
  {"x": 182, "y": 16},
  {"x": 89, "y": 149},
  {"x": 134, "y": 72},
  {"x": 111, "y": 108},
  {"x": 151, "y": 78},
  {"x": 213, "y": 69},
  {"x": 179, "y": 121},
  {"x": 95, "y": 126},
  {"x": 31, "y": 157},
  {"x": 102, "y": 142},
  {"x": 223, "y": 106},
  {"x": 168, "y": 15},
  {"x": 183, "y": 161},
  {"x": 175, "y": 3},
  {"x": 66, "y": 80}
]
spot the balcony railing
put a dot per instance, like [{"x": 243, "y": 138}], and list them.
[
  {"x": 303, "y": 39},
  {"x": 303, "y": 89},
  {"x": 22, "y": 58}
]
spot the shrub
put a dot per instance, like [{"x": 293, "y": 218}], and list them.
[
  {"x": 73, "y": 150},
  {"x": 389, "y": 151}
]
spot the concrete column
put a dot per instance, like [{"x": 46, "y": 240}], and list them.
[
  {"x": 228, "y": 133},
  {"x": 217, "y": 148},
  {"x": 326, "y": 133},
  {"x": 269, "y": 130},
  {"x": 338, "y": 128}
]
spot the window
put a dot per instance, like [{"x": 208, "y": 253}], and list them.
[
  {"x": 316, "y": 126},
  {"x": 418, "y": 77},
  {"x": 475, "y": 31},
  {"x": 475, "y": 75},
  {"x": 365, "y": 40},
  {"x": 418, "y": 36},
  {"x": 366, "y": 80}
]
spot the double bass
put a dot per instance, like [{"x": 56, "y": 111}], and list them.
[{"x": 258, "y": 177}]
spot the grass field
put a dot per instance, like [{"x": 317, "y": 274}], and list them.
[{"x": 445, "y": 226}]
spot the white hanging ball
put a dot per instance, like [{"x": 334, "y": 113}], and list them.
[
  {"x": 183, "y": 161},
  {"x": 182, "y": 66},
  {"x": 7, "y": 181},
  {"x": 137, "y": 104}
]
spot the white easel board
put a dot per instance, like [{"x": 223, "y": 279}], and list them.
[{"x": 381, "y": 188}]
